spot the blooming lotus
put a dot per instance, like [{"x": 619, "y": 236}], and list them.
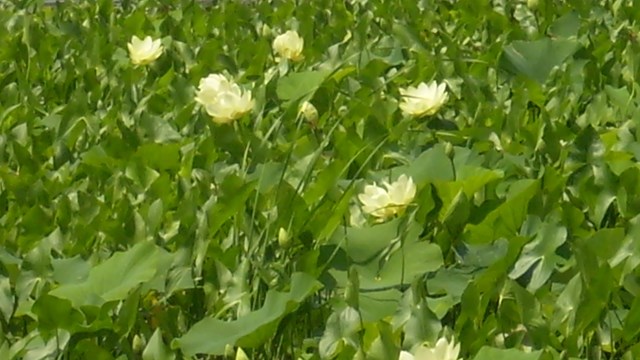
[
  {"x": 425, "y": 99},
  {"x": 223, "y": 99},
  {"x": 405, "y": 355},
  {"x": 443, "y": 350},
  {"x": 289, "y": 45},
  {"x": 393, "y": 198},
  {"x": 145, "y": 51}
]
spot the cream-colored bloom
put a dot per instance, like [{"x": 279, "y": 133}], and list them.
[
  {"x": 223, "y": 99},
  {"x": 405, "y": 355},
  {"x": 443, "y": 350},
  {"x": 145, "y": 51},
  {"x": 241, "y": 355},
  {"x": 375, "y": 201},
  {"x": 309, "y": 111},
  {"x": 385, "y": 202},
  {"x": 289, "y": 45},
  {"x": 402, "y": 191},
  {"x": 425, "y": 99}
]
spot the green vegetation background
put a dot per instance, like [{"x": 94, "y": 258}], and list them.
[{"x": 134, "y": 227}]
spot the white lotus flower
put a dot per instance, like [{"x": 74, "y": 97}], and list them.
[
  {"x": 402, "y": 191},
  {"x": 223, "y": 99},
  {"x": 385, "y": 202},
  {"x": 145, "y": 51},
  {"x": 405, "y": 355},
  {"x": 425, "y": 99},
  {"x": 289, "y": 45},
  {"x": 442, "y": 351},
  {"x": 375, "y": 201}
]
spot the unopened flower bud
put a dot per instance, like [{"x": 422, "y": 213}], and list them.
[
  {"x": 137, "y": 344},
  {"x": 228, "y": 351},
  {"x": 265, "y": 30},
  {"x": 309, "y": 111},
  {"x": 241, "y": 355},
  {"x": 448, "y": 149},
  {"x": 283, "y": 238}
]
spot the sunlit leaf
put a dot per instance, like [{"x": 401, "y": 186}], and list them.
[
  {"x": 535, "y": 59},
  {"x": 211, "y": 336},
  {"x": 115, "y": 277}
]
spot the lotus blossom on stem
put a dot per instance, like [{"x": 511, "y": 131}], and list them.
[
  {"x": 223, "y": 99},
  {"x": 144, "y": 51},
  {"x": 393, "y": 198},
  {"x": 289, "y": 45},
  {"x": 443, "y": 350},
  {"x": 425, "y": 99}
]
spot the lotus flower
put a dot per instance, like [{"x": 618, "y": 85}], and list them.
[
  {"x": 143, "y": 52},
  {"x": 393, "y": 198},
  {"x": 289, "y": 45},
  {"x": 443, "y": 350},
  {"x": 223, "y": 99},
  {"x": 425, "y": 99}
]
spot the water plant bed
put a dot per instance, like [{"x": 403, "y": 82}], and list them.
[{"x": 359, "y": 179}]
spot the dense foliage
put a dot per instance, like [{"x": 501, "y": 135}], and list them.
[{"x": 148, "y": 213}]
